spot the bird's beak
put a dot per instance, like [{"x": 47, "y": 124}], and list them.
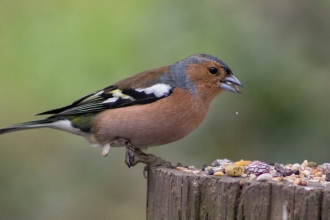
[{"x": 230, "y": 83}]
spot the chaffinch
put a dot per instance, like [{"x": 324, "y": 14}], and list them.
[{"x": 151, "y": 108}]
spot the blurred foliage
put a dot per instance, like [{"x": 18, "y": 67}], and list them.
[{"x": 53, "y": 52}]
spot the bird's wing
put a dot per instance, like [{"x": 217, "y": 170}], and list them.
[{"x": 136, "y": 90}]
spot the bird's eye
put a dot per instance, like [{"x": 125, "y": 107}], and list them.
[{"x": 213, "y": 70}]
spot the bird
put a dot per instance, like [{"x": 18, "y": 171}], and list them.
[{"x": 151, "y": 108}]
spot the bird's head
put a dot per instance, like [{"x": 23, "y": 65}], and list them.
[{"x": 205, "y": 75}]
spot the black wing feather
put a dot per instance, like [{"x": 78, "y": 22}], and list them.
[
  {"x": 59, "y": 110},
  {"x": 97, "y": 101}
]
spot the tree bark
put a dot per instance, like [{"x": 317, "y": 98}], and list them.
[{"x": 174, "y": 194}]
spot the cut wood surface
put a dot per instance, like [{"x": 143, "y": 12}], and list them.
[{"x": 174, "y": 194}]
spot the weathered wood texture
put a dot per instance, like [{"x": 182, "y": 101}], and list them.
[{"x": 181, "y": 195}]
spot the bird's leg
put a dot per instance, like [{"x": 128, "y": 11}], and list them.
[
  {"x": 149, "y": 159},
  {"x": 136, "y": 155},
  {"x": 129, "y": 157}
]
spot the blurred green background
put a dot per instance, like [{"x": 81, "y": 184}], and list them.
[{"x": 54, "y": 52}]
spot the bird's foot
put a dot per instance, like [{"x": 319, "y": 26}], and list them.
[
  {"x": 136, "y": 155},
  {"x": 155, "y": 162}
]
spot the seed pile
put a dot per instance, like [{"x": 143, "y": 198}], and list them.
[{"x": 304, "y": 174}]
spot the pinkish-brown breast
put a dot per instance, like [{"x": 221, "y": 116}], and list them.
[{"x": 158, "y": 123}]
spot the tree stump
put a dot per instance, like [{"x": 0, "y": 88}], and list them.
[{"x": 174, "y": 194}]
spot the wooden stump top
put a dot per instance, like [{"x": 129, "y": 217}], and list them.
[{"x": 174, "y": 194}]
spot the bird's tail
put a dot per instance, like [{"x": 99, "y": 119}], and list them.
[{"x": 27, "y": 125}]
